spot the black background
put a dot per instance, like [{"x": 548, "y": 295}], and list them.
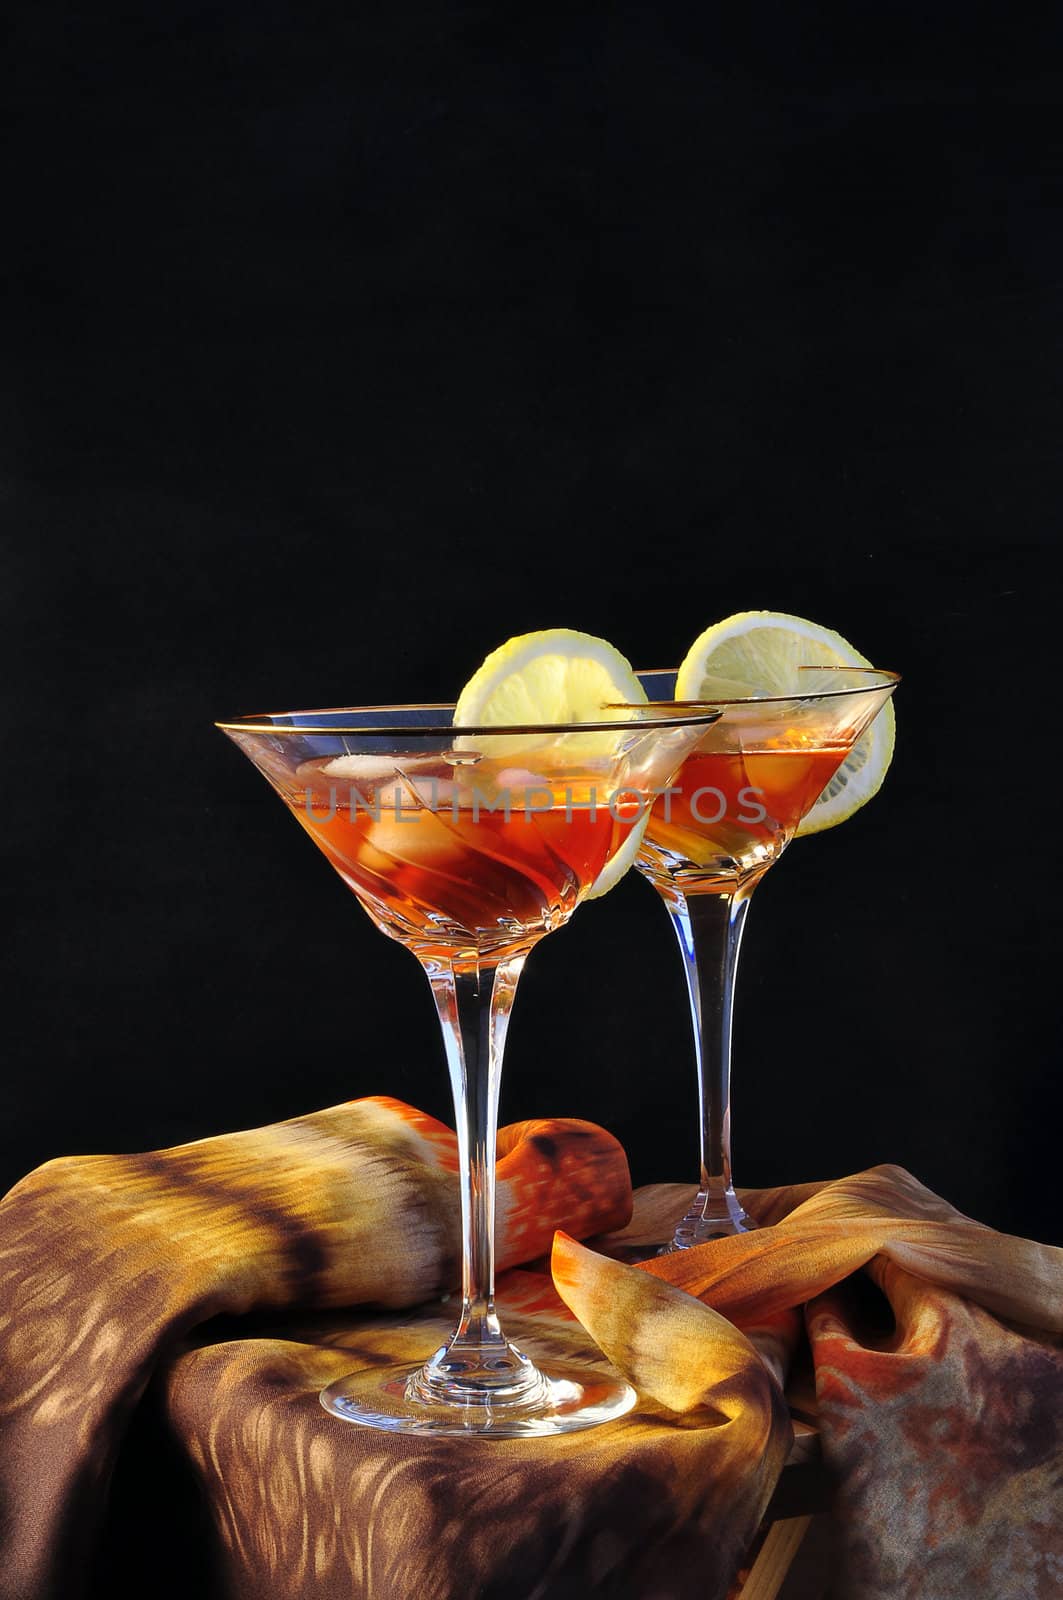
[{"x": 344, "y": 343}]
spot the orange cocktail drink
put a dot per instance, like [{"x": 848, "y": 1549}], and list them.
[
  {"x": 497, "y": 854},
  {"x": 730, "y": 812},
  {"x": 468, "y": 841},
  {"x": 736, "y": 803}
]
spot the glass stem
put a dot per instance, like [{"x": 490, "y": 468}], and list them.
[
  {"x": 709, "y": 929},
  {"x": 477, "y": 1365}
]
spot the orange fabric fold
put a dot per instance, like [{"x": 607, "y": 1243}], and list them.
[{"x": 841, "y": 1226}]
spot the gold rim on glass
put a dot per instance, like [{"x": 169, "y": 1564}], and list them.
[
  {"x": 261, "y": 722},
  {"x": 893, "y": 678}
]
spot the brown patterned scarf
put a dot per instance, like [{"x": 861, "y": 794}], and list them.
[{"x": 941, "y": 1408}]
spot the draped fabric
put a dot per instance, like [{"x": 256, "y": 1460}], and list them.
[
  {"x": 937, "y": 1346},
  {"x": 938, "y": 1371}
]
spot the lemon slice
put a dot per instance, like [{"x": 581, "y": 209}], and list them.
[
  {"x": 557, "y": 675},
  {"x": 760, "y": 653},
  {"x": 622, "y": 862}
]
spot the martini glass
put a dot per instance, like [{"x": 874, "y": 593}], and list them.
[
  {"x": 469, "y": 845},
  {"x": 731, "y": 811}
]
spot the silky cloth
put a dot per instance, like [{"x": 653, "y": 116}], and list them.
[
  {"x": 944, "y": 1427},
  {"x": 939, "y": 1390}
]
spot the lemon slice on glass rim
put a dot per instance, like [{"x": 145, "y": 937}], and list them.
[
  {"x": 556, "y": 675},
  {"x": 758, "y": 653}
]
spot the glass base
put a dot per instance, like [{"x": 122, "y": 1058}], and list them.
[
  {"x": 569, "y": 1398},
  {"x": 720, "y": 1218}
]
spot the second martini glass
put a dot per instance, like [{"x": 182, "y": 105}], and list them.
[
  {"x": 468, "y": 845},
  {"x": 733, "y": 808}
]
